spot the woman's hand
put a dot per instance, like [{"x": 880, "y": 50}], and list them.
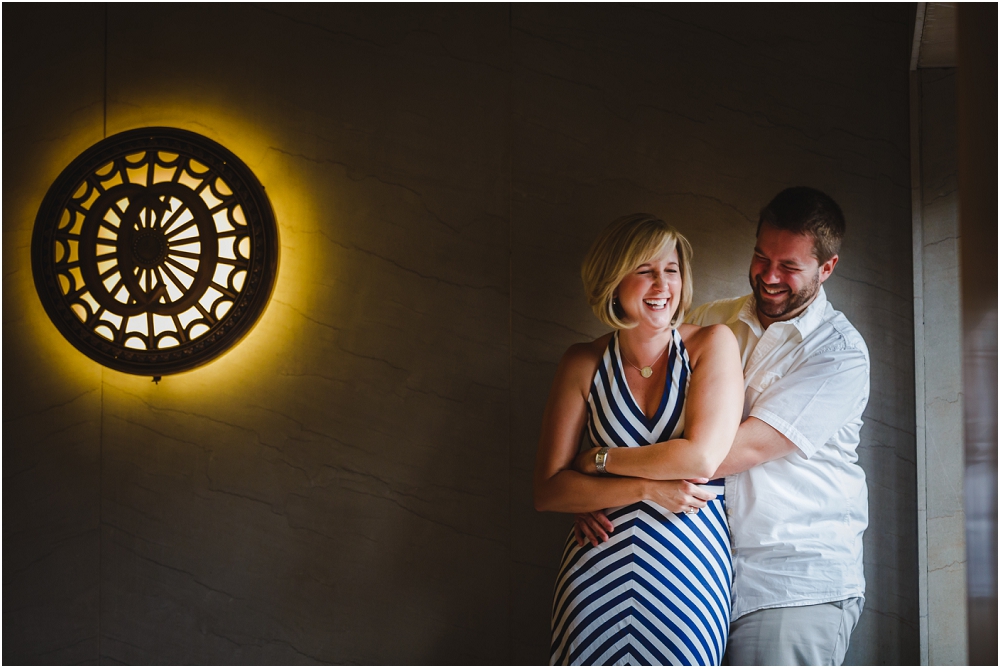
[{"x": 679, "y": 496}]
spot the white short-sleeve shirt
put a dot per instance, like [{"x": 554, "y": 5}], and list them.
[{"x": 796, "y": 522}]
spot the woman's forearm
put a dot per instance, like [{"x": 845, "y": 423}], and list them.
[
  {"x": 572, "y": 492},
  {"x": 676, "y": 459}
]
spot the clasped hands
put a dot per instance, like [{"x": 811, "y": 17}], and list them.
[{"x": 677, "y": 496}]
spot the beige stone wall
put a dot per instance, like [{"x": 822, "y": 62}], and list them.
[
  {"x": 941, "y": 513},
  {"x": 351, "y": 484}
]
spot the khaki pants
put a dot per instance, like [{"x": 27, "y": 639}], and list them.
[{"x": 805, "y": 635}]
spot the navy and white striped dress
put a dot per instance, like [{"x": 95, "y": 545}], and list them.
[{"x": 657, "y": 592}]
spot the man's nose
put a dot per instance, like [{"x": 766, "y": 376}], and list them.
[{"x": 770, "y": 274}]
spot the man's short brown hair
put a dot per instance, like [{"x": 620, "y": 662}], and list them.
[{"x": 805, "y": 210}]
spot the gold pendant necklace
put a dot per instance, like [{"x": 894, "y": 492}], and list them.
[{"x": 645, "y": 371}]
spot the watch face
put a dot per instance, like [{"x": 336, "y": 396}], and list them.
[{"x": 601, "y": 459}]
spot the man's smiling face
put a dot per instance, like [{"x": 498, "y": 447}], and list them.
[{"x": 784, "y": 274}]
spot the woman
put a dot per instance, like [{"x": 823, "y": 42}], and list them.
[{"x": 662, "y": 402}]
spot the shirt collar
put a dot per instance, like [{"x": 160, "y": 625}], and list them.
[
  {"x": 748, "y": 315},
  {"x": 804, "y": 323}
]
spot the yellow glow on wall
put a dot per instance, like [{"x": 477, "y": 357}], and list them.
[
  {"x": 139, "y": 254},
  {"x": 294, "y": 210}
]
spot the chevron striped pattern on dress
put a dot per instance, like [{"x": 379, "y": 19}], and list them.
[{"x": 658, "y": 592}]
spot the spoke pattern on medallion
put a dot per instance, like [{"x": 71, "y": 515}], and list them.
[{"x": 152, "y": 250}]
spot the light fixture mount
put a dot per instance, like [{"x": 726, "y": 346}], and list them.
[{"x": 155, "y": 251}]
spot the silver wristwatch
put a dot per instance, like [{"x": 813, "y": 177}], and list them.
[{"x": 601, "y": 459}]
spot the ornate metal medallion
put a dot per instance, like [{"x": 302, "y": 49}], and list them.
[{"x": 155, "y": 251}]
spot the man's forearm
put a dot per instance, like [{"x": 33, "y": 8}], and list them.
[{"x": 756, "y": 442}]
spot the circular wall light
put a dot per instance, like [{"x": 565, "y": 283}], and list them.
[{"x": 155, "y": 251}]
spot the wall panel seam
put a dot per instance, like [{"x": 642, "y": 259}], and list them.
[
  {"x": 510, "y": 333},
  {"x": 916, "y": 200}
]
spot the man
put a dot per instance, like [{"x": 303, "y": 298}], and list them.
[{"x": 796, "y": 498}]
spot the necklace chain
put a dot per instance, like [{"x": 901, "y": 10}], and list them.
[{"x": 647, "y": 370}]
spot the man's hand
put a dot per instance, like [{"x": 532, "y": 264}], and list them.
[{"x": 593, "y": 527}]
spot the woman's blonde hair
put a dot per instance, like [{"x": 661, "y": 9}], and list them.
[{"x": 625, "y": 244}]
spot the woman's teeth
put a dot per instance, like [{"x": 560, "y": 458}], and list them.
[{"x": 656, "y": 304}]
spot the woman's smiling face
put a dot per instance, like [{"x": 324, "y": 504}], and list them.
[{"x": 650, "y": 294}]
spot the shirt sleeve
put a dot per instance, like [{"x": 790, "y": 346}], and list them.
[
  {"x": 813, "y": 401},
  {"x": 696, "y": 316}
]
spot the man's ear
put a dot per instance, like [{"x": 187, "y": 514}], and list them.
[{"x": 826, "y": 268}]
